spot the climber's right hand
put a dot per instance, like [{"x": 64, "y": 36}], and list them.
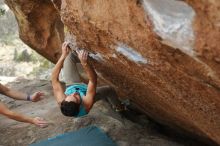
[
  {"x": 65, "y": 49},
  {"x": 83, "y": 56}
]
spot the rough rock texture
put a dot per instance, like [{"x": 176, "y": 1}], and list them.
[
  {"x": 123, "y": 131},
  {"x": 207, "y": 29},
  {"x": 39, "y": 25},
  {"x": 173, "y": 86}
]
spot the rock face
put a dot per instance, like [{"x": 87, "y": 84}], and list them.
[
  {"x": 161, "y": 54},
  {"x": 39, "y": 25}
]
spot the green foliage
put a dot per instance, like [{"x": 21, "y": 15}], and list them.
[
  {"x": 45, "y": 64},
  {"x": 41, "y": 64},
  {"x": 8, "y": 39},
  {"x": 24, "y": 56},
  {"x": 2, "y": 11},
  {"x": 31, "y": 56},
  {"x": 34, "y": 58}
]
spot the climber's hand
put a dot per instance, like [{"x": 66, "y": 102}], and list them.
[
  {"x": 83, "y": 56},
  {"x": 65, "y": 49}
]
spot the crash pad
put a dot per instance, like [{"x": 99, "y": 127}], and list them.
[{"x": 88, "y": 136}]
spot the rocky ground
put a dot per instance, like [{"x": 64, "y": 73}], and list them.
[{"x": 133, "y": 130}]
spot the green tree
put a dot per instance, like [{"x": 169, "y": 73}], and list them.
[{"x": 2, "y": 11}]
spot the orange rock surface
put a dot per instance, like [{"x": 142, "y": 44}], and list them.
[{"x": 170, "y": 85}]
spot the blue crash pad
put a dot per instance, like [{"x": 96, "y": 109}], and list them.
[{"x": 89, "y": 136}]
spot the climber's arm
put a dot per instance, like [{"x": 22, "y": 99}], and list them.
[
  {"x": 57, "y": 87},
  {"x": 88, "y": 100}
]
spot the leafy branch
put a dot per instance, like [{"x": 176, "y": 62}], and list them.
[{"x": 2, "y": 11}]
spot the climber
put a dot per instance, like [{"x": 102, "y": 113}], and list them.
[
  {"x": 21, "y": 96},
  {"x": 78, "y": 98}
]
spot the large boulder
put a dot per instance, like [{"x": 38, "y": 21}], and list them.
[
  {"x": 161, "y": 54},
  {"x": 40, "y": 26}
]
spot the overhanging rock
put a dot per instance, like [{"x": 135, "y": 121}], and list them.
[
  {"x": 40, "y": 26},
  {"x": 170, "y": 83},
  {"x": 171, "y": 73}
]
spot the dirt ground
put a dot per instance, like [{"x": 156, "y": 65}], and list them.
[
  {"x": 46, "y": 108},
  {"x": 123, "y": 131}
]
